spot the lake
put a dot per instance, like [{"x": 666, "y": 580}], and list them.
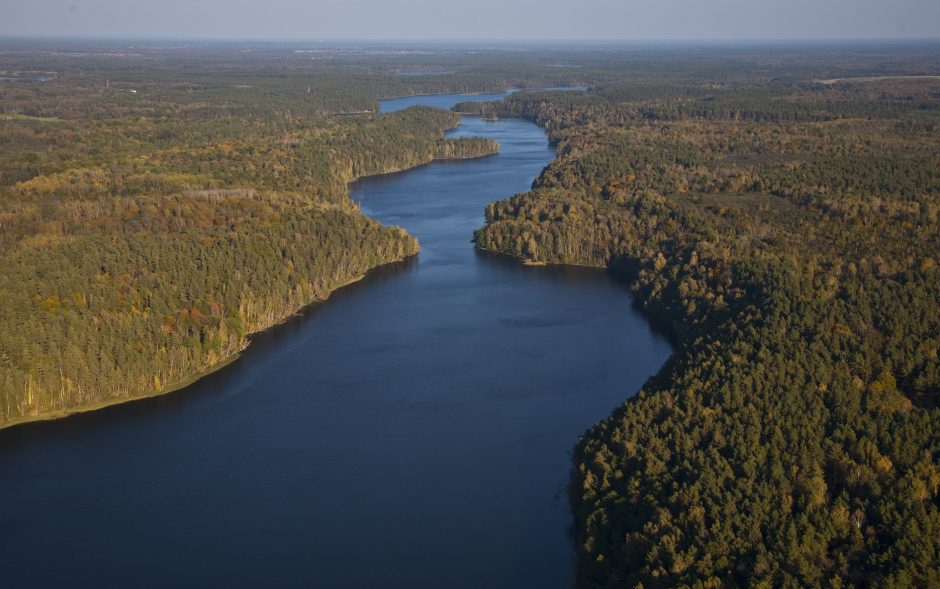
[{"x": 413, "y": 431}]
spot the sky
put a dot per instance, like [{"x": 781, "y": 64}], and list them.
[{"x": 630, "y": 20}]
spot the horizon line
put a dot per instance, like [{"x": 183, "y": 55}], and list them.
[{"x": 471, "y": 40}]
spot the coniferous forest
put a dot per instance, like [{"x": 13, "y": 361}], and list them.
[
  {"x": 787, "y": 234},
  {"x": 776, "y": 210}
]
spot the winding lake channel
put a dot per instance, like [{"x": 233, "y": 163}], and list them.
[{"x": 413, "y": 431}]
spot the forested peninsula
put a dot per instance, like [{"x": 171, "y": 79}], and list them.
[
  {"x": 149, "y": 227},
  {"x": 786, "y": 232}
]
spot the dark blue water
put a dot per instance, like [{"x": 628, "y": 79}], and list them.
[{"x": 413, "y": 431}]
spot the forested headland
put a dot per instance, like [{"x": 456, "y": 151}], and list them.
[
  {"x": 786, "y": 232},
  {"x": 155, "y": 214}
]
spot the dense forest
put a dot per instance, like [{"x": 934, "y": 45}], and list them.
[
  {"x": 148, "y": 227},
  {"x": 787, "y": 234},
  {"x": 776, "y": 209}
]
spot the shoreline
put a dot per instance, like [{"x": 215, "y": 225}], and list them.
[
  {"x": 476, "y": 93},
  {"x": 183, "y": 384},
  {"x": 507, "y": 91},
  {"x": 433, "y": 160},
  {"x": 536, "y": 263}
]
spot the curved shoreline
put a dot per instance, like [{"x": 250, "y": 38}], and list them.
[
  {"x": 185, "y": 383},
  {"x": 506, "y": 91},
  {"x": 225, "y": 361},
  {"x": 344, "y": 391}
]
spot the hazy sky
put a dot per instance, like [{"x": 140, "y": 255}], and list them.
[{"x": 473, "y": 19}]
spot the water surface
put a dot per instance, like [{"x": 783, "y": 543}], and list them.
[
  {"x": 447, "y": 101},
  {"x": 414, "y": 431}
]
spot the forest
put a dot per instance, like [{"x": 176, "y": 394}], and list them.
[
  {"x": 775, "y": 209},
  {"x": 147, "y": 228},
  {"x": 786, "y": 234}
]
